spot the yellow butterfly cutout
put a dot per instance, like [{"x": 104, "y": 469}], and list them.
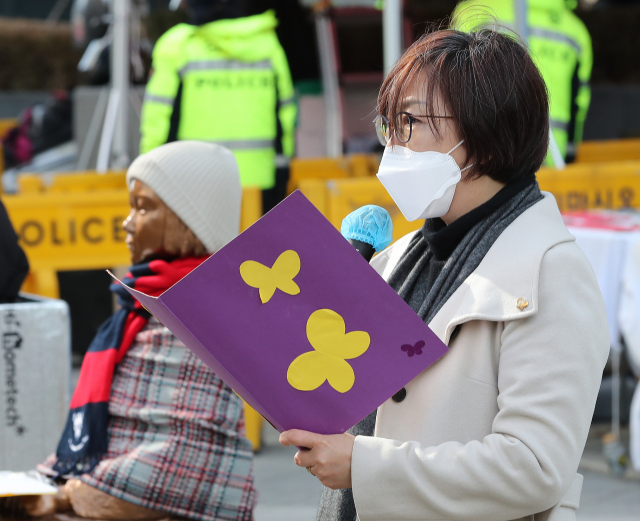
[
  {"x": 333, "y": 347},
  {"x": 279, "y": 276}
]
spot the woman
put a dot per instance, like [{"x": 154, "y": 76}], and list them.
[
  {"x": 495, "y": 429},
  {"x": 153, "y": 432}
]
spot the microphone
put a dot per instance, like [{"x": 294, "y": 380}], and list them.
[{"x": 368, "y": 229}]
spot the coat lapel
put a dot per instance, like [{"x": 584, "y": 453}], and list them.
[{"x": 505, "y": 284}]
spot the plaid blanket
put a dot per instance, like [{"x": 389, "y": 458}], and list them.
[{"x": 176, "y": 435}]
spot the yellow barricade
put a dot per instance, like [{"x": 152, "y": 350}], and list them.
[
  {"x": 69, "y": 231},
  {"x": 363, "y": 165},
  {"x": 337, "y": 198},
  {"x": 75, "y": 223},
  {"x": 80, "y": 230},
  {"x": 5, "y": 124},
  {"x": 608, "y": 151},
  {"x": 595, "y": 185},
  {"x": 578, "y": 187},
  {"x": 357, "y": 165},
  {"x": 87, "y": 181}
]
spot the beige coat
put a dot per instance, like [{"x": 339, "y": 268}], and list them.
[{"x": 495, "y": 429}]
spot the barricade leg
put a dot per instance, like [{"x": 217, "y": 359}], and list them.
[
  {"x": 253, "y": 426},
  {"x": 42, "y": 282}
]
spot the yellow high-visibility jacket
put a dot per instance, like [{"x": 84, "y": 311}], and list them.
[
  {"x": 561, "y": 47},
  {"x": 226, "y": 82}
]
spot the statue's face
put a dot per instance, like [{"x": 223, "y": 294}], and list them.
[
  {"x": 154, "y": 231},
  {"x": 145, "y": 224}
]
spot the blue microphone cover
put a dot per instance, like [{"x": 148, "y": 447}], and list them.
[{"x": 370, "y": 224}]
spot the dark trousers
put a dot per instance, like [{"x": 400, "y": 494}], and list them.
[{"x": 273, "y": 196}]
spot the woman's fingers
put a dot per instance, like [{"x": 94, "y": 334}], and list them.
[
  {"x": 307, "y": 456},
  {"x": 299, "y": 438},
  {"x": 328, "y": 456}
]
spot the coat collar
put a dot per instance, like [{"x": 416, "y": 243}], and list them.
[
  {"x": 508, "y": 275},
  {"x": 509, "y": 271}
]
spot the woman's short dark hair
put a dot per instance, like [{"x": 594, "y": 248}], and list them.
[{"x": 491, "y": 88}]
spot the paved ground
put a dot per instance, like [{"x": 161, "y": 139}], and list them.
[
  {"x": 289, "y": 493},
  {"x": 605, "y": 498}
]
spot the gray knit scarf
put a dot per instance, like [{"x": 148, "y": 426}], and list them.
[{"x": 338, "y": 505}]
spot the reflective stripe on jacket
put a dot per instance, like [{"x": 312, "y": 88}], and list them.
[{"x": 226, "y": 82}]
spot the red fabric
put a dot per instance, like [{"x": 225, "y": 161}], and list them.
[
  {"x": 89, "y": 388},
  {"x": 134, "y": 324},
  {"x": 166, "y": 275},
  {"x": 603, "y": 220},
  {"x": 97, "y": 370}
]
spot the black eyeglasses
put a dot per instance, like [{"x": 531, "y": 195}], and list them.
[{"x": 403, "y": 127}]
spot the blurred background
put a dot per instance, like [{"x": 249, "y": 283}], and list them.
[{"x": 72, "y": 91}]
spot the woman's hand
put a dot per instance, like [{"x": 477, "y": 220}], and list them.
[{"x": 328, "y": 457}]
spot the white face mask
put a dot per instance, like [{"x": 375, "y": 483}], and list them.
[{"x": 422, "y": 184}]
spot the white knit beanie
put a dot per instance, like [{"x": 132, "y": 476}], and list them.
[{"x": 200, "y": 182}]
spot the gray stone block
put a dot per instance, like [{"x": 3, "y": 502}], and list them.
[{"x": 35, "y": 367}]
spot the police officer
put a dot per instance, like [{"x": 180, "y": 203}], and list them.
[
  {"x": 224, "y": 78},
  {"x": 560, "y": 45}
]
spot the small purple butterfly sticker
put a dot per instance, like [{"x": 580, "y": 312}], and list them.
[{"x": 415, "y": 349}]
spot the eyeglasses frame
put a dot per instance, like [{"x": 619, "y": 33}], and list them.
[{"x": 411, "y": 118}]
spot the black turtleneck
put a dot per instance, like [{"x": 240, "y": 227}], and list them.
[{"x": 443, "y": 239}]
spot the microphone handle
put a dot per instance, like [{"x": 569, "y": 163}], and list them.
[{"x": 363, "y": 248}]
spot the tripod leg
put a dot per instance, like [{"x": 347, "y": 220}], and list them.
[
  {"x": 92, "y": 132},
  {"x": 104, "y": 152}
]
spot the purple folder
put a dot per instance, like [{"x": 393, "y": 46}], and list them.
[{"x": 296, "y": 322}]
